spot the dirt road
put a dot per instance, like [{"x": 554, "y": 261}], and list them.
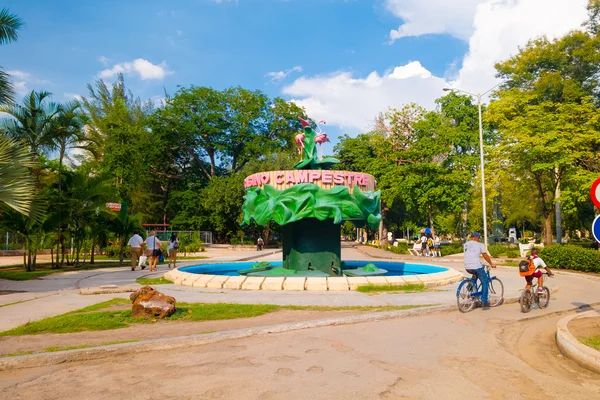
[{"x": 481, "y": 355}]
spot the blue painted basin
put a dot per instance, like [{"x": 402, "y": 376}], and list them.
[{"x": 394, "y": 268}]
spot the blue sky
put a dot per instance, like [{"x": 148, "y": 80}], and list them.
[{"x": 347, "y": 60}]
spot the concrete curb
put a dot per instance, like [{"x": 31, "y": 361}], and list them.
[
  {"x": 99, "y": 352},
  {"x": 583, "y": 355},
  {"x": 178, "y": 277}
]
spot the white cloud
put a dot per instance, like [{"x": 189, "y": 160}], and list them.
[
  {"x": 104, "y": 60},
  {"x": 140, "y": 67},
  {"x": 420, "y": 17},
  {"x": 22, "y": 81},
  {"x": 72, "y": 96},
  {"x": 179, "y": 33},
  {"x": 278, "y": 76},
  {"x": 500, "y": 27},
  {"x": 350, "y": 102}
]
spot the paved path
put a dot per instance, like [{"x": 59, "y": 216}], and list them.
[
  {"x": 495, "y": 354},
  {"x": 59, "y": 293}
]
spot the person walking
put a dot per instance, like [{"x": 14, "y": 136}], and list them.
[
  {"x": 437, "y": 247},
  {"x": 259, "y": 244},
  {"x": 136, "y": 243},
  {"x": 172, "y": 250},
  {"x": 474, "y": 249},
  {"x": 153, "y": 250}
]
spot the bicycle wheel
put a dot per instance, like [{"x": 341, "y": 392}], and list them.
[
  {"x": 525, "y": 300},
  {"x": 464, "y": 300},
  {"x": 495, "y": 292},
  {"x": 543, "y": 299}
]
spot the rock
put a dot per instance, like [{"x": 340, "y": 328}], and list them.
[{"x": 149, "y": 303}]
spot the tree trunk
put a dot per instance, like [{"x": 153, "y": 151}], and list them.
[
  {"x": 92, "y": 253},
  {"x": 547, "y": 231}
]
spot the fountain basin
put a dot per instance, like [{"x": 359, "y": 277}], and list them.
[{"x": 225, "y": 276}]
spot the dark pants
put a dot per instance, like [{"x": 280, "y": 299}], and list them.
[{"x": 482, "y": 276}]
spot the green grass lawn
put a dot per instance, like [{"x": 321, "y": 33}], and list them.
[
  {"x": 593, "y": 342},
  {"x": 16, "y": 272},
  {"x": 153, "y": 281},
  {"x": 391, "y": 288},
  {"x": 104, "y": 316}
]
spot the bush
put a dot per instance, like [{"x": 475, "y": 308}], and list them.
[
  {"x": 452, "y": 248},
  {"x": 511, "y": 250},
  {"x": 402, "y": 248},
  {"x": 571, "y": 257},
  {"x": 115, "y": 252}
]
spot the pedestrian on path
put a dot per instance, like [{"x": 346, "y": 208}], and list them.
[
  {"x": 259, "y": 244},
  {"x": 136, "y": 243},
  {"x": 474, "y": 249},
  {"x": 172, "y": 250},
  {"x": 153, "y": 250}
]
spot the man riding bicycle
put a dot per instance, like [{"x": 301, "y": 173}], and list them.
[{"x": 474, "y": 249}]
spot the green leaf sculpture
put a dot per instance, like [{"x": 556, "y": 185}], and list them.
[{"x": 308, "y": 200}]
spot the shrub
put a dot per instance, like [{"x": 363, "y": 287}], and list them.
[
  {"x": 115, "y": 252},
  {"x": 510, "y": 250},
  {"x": 451, "y": 248},
  {"x": 571, "y": 257},
  {"x": 402, "y": 248}
]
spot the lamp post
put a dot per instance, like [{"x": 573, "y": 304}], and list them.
[{"x": 478, "y": 96}]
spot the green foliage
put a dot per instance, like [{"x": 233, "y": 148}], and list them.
[
  {"x": 452, "y": 248},
  {"x": 571, "y": 257},
  {"x": 153, "y": 281},
  {"x": 509, "y": 250},
  {"x": 402, "y": 248},
  {"x": 307, "y": 200},
  {"x": 404, "y": 288}
]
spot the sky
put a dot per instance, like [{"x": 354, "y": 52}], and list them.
[{"x": 343, "y": 60}]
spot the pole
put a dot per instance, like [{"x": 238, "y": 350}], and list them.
[
  {"x": 485, "y": 233},
  {"x": 557, "y": 210},
  {"x": 7, "y": 235}
]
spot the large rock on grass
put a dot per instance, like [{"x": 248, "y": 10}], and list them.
[{"x": 149, "y": 303}]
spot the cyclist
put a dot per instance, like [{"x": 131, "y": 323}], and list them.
[
  {"x": 539, "y": 264},
  {"x": 474, "y": 249}
]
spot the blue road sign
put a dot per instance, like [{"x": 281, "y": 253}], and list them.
[{"x": 596, "y": 228}]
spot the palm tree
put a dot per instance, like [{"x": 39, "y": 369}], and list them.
[
  {"x": 32, "y": 122},
  {"x": 9, "y": 26}
]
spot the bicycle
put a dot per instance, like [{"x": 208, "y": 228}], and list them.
[
  {"x": 468, "y": 293},
  {"x": 531, "y": 295}
]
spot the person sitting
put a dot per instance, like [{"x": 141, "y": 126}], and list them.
[{"x": 539, "y": 264}]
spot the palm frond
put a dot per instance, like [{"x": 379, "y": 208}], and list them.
[
  {"x": 17, "y": 187},
  {"x": 9, "y": 26},
  {"x": 6, "y": 88}
]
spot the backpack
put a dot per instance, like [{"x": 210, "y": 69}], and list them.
[
  {"x": 526, "y": 267},
  {"x": 429, "y": 242}
]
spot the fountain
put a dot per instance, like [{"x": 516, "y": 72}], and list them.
[{"x": 310, "y": 202}]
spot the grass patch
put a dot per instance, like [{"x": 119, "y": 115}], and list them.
[
  {"x": 24, "y": 275},
  {"x": 54, "y": 349},
  {"x": 593, "y": 342},
  {"x": 404, "y": 288},
  {"x": 98, "y": 317},
  {"x": 153, "y": 281},
  {"x": 16, "y": 272},
  {"x": 508, "y": 263}
]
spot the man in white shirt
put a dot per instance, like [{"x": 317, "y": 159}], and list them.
[
  {"x": 424, "y": 248},
  {"x": 136, "y": 243},
  {"x": 473, "y": 250}
]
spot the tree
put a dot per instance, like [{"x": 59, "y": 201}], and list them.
[
  {"x": 32, "y": 123},
  {"x": 547, "y": 118},
  {"x": 9, "y": 32}
]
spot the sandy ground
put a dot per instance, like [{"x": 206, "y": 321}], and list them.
[
  {"x": 441, "y": 356},
  {"x": 161, "y": 329},
  {"x": 585, "y": 327}
]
